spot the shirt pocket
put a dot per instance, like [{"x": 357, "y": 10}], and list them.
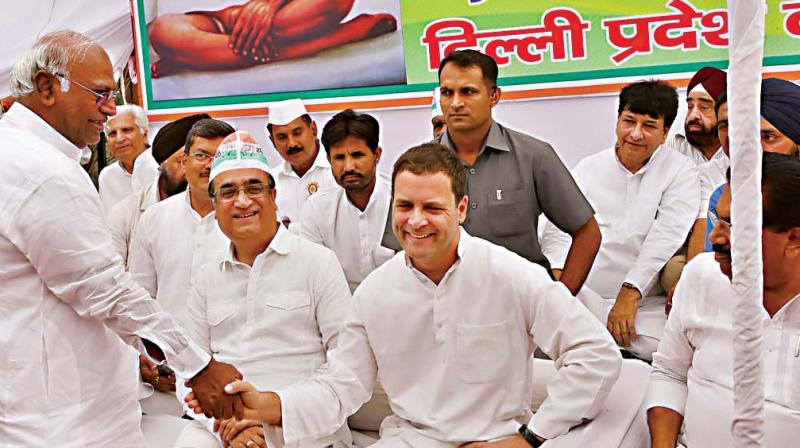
[
  {"x": 481, "y": 352},
  {"x": 220, "y": 325},
  {"x": 646, "y": 212},
  {"x": 509, "y": 212},
  {"x": 288, "y": 301}
]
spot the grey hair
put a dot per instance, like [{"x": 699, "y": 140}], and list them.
[
  {"x": 52, "y": 53},
  {"x": 139, "y": 116}
]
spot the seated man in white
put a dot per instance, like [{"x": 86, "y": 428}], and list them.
[
  {"x": 645, "y": 199},
  {"x": 135, "y": 168},
  {"x": 692, "y": 378},
  {"x": 272, "y": 303},
  {"x": 448, "y": 325},
  {"x": 349, "y": 218}
]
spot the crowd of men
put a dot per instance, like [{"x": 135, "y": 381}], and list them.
[{"x": 309, "y": 303}]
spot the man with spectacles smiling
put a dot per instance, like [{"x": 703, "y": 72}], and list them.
[
  {"x": 272, "y": 303},
  {"x": 67, "y": 301}
]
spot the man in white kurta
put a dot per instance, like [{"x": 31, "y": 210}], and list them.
[
  {"x": 123, "y": 219},
  {"x": 304, "y": 169},
  {"x": 135, "y": 168},
  {"x": 645, "y": 211},
  {"x": 68, "y": 379},
  {"x": 350, "y": 218},
  {"x": 692, "y": 378},
  {"x": 448, "y": 326},
  {"x": 274, "y": 317}
]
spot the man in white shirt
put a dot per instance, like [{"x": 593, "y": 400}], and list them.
[
  {"x": 168, "y": 153},
  {"x": 692, "y": 378},
  {"x": 272, "y": 303},
  {"x": 304, "y": 169},
  {"x": 448, "y": 326},
  {"x": 349, "y": 219},
  {"x": 68, "y": 379},
  {"x": 135, "y": 168},
  {"x": 645, "y": 199}
]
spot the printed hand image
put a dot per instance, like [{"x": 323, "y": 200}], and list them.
[{"x": 255, "y": 39}]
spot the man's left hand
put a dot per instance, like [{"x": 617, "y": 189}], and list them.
[
  {"x": 622, "y": 317},
  {"x": 510, "y": 442},
  {"x": 208, "y": 387},
  {"x": 253, "y": 26},
  {"x": 252, "y": 437}
]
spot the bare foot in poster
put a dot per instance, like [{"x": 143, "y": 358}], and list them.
[{"x": 258, "y": 32}]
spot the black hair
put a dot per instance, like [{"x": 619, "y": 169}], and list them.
[
  {"x": 207, "y": 128},
  {"x": 431, "y": 158},
  {"x": 723, "y": 98},
  {"x": 473, "y": 58},
  {"x": 652, "y": 97},
  {"x": 349, "y": 123},
  {"x": 780, "y": 182}
]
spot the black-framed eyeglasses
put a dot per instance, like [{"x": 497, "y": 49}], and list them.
[
  {"x": 102, "y": 97},
  {"x": 201, "y": 157},
  {"x": 229, "y": 194}
]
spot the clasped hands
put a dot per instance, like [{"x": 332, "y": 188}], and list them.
[
  {"x": 207, "y": 388},
  {"x": 250, "y": 35}
]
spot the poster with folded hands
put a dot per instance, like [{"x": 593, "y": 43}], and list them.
[{"x": 247, "y": 53}]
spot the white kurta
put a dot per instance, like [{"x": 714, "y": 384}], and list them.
[
  {"x": 67, "y": 378},
  {"x": 644, "y": 218},
  {"x": 115, "y": 183},
  {"x": 712, "y": 175},
  {"x": 172, "y": 242},
  {"x": 353, "y": 235},
  {"x": 678, "y": 142},
  {"x": 293, "y": 190},
  {"x": 692, "y": 369},
  {"x": 123, "y": 219},
  {"x": 454, "y": 358},
  {"x": 275, "y": 321}
]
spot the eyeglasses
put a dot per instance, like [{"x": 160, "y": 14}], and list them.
[
  {"x": 253, "y": 191},
  {"x": 201, "y": 157},
  {"x": 714, "y": 218},
  {"x": 102, "y": 97}
]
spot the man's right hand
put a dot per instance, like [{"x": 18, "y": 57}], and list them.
[
  {"x": 253, "y": 26},
  {"x": 207, "y": 387}
]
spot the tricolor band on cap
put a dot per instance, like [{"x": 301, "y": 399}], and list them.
[
  {"x": 238, "y": 151},
  {"x": 436, "y": 105}
]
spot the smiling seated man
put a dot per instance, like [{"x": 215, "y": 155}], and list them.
[
  {"x": 271, "y": 303},
  {"x": 448, "y": 326},
  {"x": 692, "y": 378},
  {"x": 645, "y": 198}
]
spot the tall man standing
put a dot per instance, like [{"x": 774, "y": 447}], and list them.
[
  {"x": 135, "y": 168},
  {"x": 67, "y": 377},
  {"x": 512, "y": 177},
  {"x": 350, "y": 220},
  {"x": 305, "y": 169}
]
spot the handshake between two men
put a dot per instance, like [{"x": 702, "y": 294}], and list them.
[{"x": 207, "y": 391}]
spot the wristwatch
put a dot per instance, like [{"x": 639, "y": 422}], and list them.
[{"x": 530, "y": 437}]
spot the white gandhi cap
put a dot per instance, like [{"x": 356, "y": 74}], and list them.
[{"x": 284, "y": 112}]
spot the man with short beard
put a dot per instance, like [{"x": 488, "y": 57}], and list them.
[
  {"x": 305, "y": 169},
  {"x": 692, "y": 379},
  {"x": 350, "y": 219},
  {"x": 168, "y": 153}
]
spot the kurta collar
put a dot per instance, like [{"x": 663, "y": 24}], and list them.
[
  {"x": 281, "y": 244},
  {"x": 22, "y": 117},
  {"x": 494, "y": 139}
]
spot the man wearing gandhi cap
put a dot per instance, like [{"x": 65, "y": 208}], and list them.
[
  {"x": 304, "y": 169},
  {"x": 123, "y": 218},
  {"x": 271, "y": 303}
]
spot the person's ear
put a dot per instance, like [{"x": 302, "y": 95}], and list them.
[
  {"x": 793, "y": 242},
  {"x": 314, "y": 128},
  {"x": 495, "y": 97},
  {"x": 378, "y": 152},
  {"x": 462, "y": 209},
  {"x": 45, "y": 85}
]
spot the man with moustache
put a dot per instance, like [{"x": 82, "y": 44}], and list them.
[
  {"x": 350, "y": 219},
  {"x": 448, "y": 326},
  {"x": 135, "y": 168},
  {"x": 692, "y": 378},
  {"x": 304, "y": 169},
  {"x": 68, "y": 378},
  {"x": 168, "y": 152}
]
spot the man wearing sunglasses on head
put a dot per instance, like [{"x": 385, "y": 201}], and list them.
[{"x": 272, "y": 303}]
